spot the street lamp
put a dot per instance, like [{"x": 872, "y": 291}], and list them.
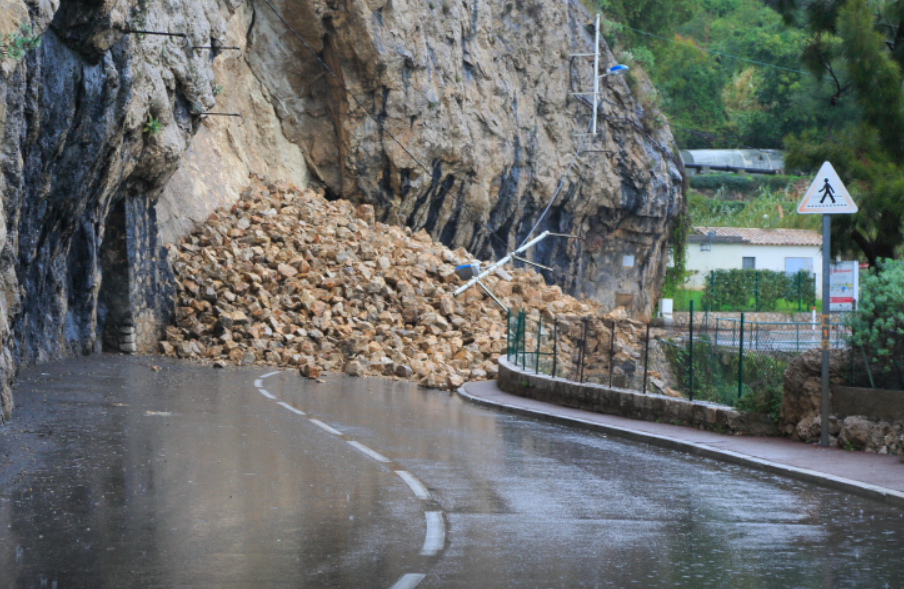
[{"x": 616, "y": 70}]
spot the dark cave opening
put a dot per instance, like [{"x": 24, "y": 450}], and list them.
[{"x": 113, "y": 309}]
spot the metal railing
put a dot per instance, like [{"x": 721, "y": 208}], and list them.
[{"x": 727, "y": 361}]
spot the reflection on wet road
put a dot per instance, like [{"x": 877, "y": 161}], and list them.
[{"x": 193, "y": 477}]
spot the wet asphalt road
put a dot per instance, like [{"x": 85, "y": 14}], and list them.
[{"x": 115, "y": 475}]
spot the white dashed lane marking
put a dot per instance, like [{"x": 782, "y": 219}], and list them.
[
  {"x": 435, "y": 537},
  {"x": 375, "y": 455},
  {"x": 420, "y": 491},
  {"x": 409, "y": 581},
  {"x": 290, "y": 408},
  {"x": 325, "y": 427},
  {"x": 436, "y": 533}
]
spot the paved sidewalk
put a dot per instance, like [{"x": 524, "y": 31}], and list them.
[{"x": 870, "y": 475}]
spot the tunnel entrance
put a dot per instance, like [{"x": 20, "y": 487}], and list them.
[{"x": 114, "y": 318}]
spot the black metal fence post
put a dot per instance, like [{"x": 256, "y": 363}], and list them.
[
  {"x": 523, "y": 339},
  {"x": 555, "y": 345},
  {"x": 611, "y": 350},
  {"x": 646, "y": 361},
  {"x": 741, "y": 358},
  {"x": 690, "y": 368}
]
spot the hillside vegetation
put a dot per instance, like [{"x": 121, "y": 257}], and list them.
[{"x": 747, "y": 202}]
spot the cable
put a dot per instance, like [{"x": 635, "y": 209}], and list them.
[
  {"x": 561, "y": 184},
  {"x": 474, "y": 218}
]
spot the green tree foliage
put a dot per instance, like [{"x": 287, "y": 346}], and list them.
[
  {"x": 713, "y": 100},
  {"x": 878, "y": 324},
  {"x": 856, "y": 48},
  {"x": 654, "y": 16}
]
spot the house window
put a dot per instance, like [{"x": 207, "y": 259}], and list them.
[{"x": 748, "y": 263}]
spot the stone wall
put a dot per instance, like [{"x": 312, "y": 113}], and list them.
[
  {"x": 860, "y": 419},
  {"x": 633, "y": 404}
]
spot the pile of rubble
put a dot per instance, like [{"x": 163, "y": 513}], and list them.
[{"x": 287, "y": 278}]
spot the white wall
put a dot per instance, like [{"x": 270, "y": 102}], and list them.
[{"x": 726, "y": 256}]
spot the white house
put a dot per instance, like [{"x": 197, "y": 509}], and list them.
[{"x": 726, "y": 248}]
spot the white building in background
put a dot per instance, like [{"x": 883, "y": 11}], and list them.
[{"x": 727, "y": 248}]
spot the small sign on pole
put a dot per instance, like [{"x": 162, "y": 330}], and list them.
[
  {"x": 843, "y": 285},
  {"x": 826, "y": 196}
]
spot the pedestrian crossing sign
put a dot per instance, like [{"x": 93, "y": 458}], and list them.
[{"x": 827, "y": 195}]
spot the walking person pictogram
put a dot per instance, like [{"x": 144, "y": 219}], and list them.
[{"x": 827, "y": 192}]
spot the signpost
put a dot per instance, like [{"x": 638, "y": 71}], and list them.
[{"x": 827, "y": 196}]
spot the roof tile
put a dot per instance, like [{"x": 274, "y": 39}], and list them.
[{"x": 756, "y": 236}]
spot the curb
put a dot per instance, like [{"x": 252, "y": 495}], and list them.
[{"x": 880, "y": 494}]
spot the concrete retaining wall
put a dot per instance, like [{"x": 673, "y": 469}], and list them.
[
  {"x": 878, "y": 404},
  {"x": 633, "y": 404}
]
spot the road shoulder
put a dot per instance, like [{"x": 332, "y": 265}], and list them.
[{"x": 876, "y": 477}]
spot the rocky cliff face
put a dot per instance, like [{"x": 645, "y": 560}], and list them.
[
  {"x": 80, "y": 265},
  {"x": 477, "y": 91}
]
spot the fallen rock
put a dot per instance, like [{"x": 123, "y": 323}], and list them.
[
  {"x": 855, "y": 432},
  {"x": 286, "y": 278}
]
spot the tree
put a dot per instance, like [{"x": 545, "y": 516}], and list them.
[{"x": 857, "y": 48}]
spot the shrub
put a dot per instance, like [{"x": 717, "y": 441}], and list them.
[
  {"x": 738, "y": 183},
  {"x": 878, "y": 324},
  {"x": 758, "y": 290},
  {"x": 15, "y": 46}
]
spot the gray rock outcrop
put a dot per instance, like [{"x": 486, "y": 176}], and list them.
[
  {"x": 81, "y": 167},
  {"x": 96, "y": 124}
]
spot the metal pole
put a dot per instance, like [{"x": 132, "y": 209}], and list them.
[
  {"x": 825, "y": 406},
  {"x": 851, "y": 382},
  {"x": 539, "y": 334},
  {"x": 555, "y": 345},
  {"x": 756, "y": 290},
  {"x": 596, "y": 72},
  {"x": 717, "y": 331},
  {"x": 524, "y": 339},
  {"x": 741, "y": 358},
  {"x": 800, "y": 294},
  {"x": 646, "y": 361},
  {"x": 690, "y": 372},
  {"x": 611, "y": 351}
]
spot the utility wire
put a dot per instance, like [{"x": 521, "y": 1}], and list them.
[{"x": 473, "y": 217}]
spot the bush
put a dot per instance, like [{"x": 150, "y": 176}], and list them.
[
  {"x": 878, "y": 324},
  {"x": 730, "y": 182},
  {"x": 737, "y": 183}
]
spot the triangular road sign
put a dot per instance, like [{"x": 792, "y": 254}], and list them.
[{"x": 827, "y": 195}]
